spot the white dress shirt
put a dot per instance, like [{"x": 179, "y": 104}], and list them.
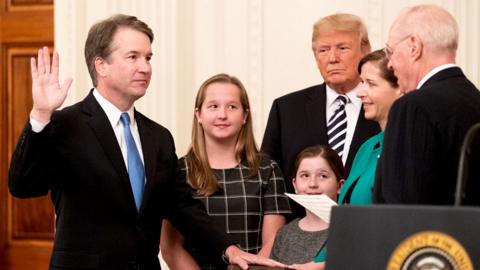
[
  {"x": 352, "y": 109},
  {"x": 113, "y": 115},
  {"x": 433, "y": 72}
]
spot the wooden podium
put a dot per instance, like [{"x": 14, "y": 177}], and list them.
[{"x": 404, "y": 237}]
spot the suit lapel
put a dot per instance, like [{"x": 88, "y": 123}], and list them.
[
  {"x": 373, "y": 150},
  {"x": 363, "y": 130},
  {"x": 147, "y": 138},
  {"x": 316, "y": 114},
  {"x": 359, "y": 129},
  {"x": 102, "y": 129}
]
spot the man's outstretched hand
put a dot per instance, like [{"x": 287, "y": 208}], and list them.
[{"x": 47, "y": 93}]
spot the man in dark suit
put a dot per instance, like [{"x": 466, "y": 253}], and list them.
[
  {"x": 426, "y": 127},
  {"x": 298, "y": 120},
  {"x": 110, "y": 170}
]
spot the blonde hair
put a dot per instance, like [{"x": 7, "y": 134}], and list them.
[
  {"x": 343, "y": 22},
  {"x": 200, "y": 176},
  {"x": 435, "y": 26}
]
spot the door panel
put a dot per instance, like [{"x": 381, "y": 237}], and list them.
[{"x": 26, "y": 225}]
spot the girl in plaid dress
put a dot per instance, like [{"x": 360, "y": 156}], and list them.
[{"x": 242, "y": 190}]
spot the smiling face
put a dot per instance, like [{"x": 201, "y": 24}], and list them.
[
  {"x": 337, "y": 55},
  {"x": 315, "y": 176},
  {"x": 125, "y": 74},
  {"x": 221, "y": 113},
  {"x": 376, "y": 93}
]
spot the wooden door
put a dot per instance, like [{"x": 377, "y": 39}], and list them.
[{"x": 26, "y": 225}]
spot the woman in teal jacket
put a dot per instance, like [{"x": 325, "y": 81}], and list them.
[{"x": 379, "y": 89}]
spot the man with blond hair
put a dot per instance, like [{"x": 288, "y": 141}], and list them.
[
  {"x": 329, "y": 113},
  {"x": 426, "y": 127}
]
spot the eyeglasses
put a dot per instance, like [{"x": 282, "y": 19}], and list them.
[{"x": 388, "y": 50}]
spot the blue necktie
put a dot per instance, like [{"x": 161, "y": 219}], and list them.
[
  {"x": 337, "y": 126},
  {"x": 136, "y": 171}
]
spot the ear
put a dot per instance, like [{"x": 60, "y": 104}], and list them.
[
  {"x": 365, "y": 49},
  {"x": 294, "y": 184},
  {"x": 101, "y": 67},
  {"x": 416, "y": 47},
  {"x": 197, "y": 116},
  {"x": 340, "y": 185},
  {"x": 318, "y": 60},
  {"x": 245, "y": 117}
]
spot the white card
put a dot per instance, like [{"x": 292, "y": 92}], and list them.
[{"x": 320, "y": 205}]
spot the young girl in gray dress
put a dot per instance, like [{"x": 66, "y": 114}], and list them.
[{"x": 319, "y": 170}]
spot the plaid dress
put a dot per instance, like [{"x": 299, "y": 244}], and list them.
[{"x": 241, "y": 202}]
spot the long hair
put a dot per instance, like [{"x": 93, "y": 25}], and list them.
[{"x": 199, "y": 174}]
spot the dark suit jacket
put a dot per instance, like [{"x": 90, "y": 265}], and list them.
[
  {"x": 78, "y": 159},
  {"x": 423, "y": 138},
  {"x": 298, "y": 120}
]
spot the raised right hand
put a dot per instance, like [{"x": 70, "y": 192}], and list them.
[{"x": 46, "y": 91}]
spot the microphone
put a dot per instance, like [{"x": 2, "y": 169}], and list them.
[{"x": 464, "y": 163}]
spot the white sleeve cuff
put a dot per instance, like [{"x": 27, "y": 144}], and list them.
[{"x": 37, "y": 126}]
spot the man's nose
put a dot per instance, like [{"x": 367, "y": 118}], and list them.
[
  {"x": 389, "y": 64},
  {"x": 144, "y": 65},
  {"x": 333, "y": 55}
]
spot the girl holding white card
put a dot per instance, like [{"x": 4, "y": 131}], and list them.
[{"x": 319, "y": 170}]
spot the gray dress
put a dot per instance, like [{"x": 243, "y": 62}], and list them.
[{"x": 294, "y": 245}]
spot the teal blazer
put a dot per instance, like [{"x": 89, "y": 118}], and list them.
[{"x": 358, "y": 188}]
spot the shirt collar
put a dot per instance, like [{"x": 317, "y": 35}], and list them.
[
  {"x": 112, "y": 112},
  {"x": 433, "y": 72},
  {"x": 352, "y": 95}
]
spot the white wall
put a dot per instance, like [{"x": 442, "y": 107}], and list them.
[{"x": 266, "y": 43}]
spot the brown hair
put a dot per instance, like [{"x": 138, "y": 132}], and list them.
[
  {"x": 200, "y": 175},
  {"x": 100, "y": 37},
  {"x": 343, "y": 22},
  {"x": 380, "y": 59},
  {"x": 332, "y": 158}
]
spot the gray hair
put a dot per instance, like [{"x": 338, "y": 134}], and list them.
[{"x": 435, "y": 26}]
